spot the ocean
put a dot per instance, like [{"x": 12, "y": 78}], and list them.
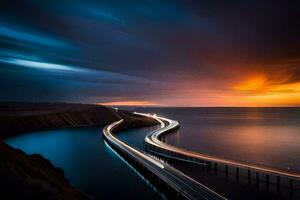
[{"x": 265, "y": 136}]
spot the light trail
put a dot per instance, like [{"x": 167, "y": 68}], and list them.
[
  {"x": 153, "y": 139},
  {"x": 184, "y": 185},
  {"x": 121, "y": 143}
]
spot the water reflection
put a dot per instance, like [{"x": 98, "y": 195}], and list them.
[
  {"x": 88, "y": 163},
  {"x": 268, "y": 136},
  {"x": 175, "y": 137},
  {"x": 135, "y": 171}
]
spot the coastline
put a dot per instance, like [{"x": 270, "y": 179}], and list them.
[
  {"x": 19, "y": 118},
  {"x": 21, "y": 172}
]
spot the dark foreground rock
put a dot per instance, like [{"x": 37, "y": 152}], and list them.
[{"x": 32, "y": 177}]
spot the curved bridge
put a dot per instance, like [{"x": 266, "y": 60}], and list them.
[
  {"x": 177, "y": 182},
  {"x": 156, "y": 146}
]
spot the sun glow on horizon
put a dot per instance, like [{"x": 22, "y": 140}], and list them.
[
  {"x": 129, "y": 103},
  {"x": 259, "y": 91}
]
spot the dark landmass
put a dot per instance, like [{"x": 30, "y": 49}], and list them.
[
  {"x": 18, "y": 118},
  {"x": 32, "y": 176}
]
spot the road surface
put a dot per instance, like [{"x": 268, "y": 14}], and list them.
[{"x": 185, "y": 186}]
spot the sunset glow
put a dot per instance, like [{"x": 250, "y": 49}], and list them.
[
  {"x": 146, "y": 98},
  {"x": 128, "y": 103},
  {"x": 149, "y": 53},
  {"x": 259, "y": 91},
  {"x": 252, "y": 84}
]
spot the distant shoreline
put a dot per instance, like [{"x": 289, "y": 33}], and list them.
[{"x": 19, "y": 118}]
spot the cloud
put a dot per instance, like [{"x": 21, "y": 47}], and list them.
[
  {"x": 78, "y": 73},
  {"x": 18, "y": 34},
  {"x": 42, "y": 65},
  {"x": 176, "y": 52}
]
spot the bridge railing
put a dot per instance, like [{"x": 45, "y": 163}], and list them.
[{"x": 155, "y": 145}]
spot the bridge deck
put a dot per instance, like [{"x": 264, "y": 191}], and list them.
[{"x": 183, "y": 185}]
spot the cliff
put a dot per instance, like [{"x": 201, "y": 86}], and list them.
[
  {"x": 32, "y": 177},
  {"x": 16, "y": 118}
]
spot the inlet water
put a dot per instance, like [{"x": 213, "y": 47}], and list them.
[{"x": 89, "y": 163}]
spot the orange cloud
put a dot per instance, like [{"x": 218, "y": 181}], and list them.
[
  {"x": 259, "y": 90},
  {"x": 254, "y": 83}
]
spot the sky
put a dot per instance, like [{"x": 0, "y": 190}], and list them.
[{"x": 151, "y": 52}]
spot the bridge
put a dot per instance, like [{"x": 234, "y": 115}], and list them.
[
  {"x": 155, "y": 145},
  {"x": 176, "y": 182}
]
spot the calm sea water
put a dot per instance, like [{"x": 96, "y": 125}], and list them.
[
  {"x": 268, "y": 136},
  {"x": 89, "y": 163}
]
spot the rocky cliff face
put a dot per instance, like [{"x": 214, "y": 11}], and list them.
[
  {"x": 32, "y": 177},
  {"x": 19, "y": 118}
]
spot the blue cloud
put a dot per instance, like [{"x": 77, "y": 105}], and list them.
[
  {"x": 31, "y": 37},
  {"x": 78, "y": 73},
  {"x": 41, "y": 65}
]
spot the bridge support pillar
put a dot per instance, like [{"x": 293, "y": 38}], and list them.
[
  {"x": 291, "y": 187},
  {"x": 278, "y": 183},
  {"x": 249, "y": 176},
  {"x": 216, "y": 166},
  {"x": 267, "y": 181},
  {"x": 226, "y": 170},
  {"x": 257, "y": 179},
  {"x": 237, "y": 174},
  {"x": 208, "y": 165}
]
